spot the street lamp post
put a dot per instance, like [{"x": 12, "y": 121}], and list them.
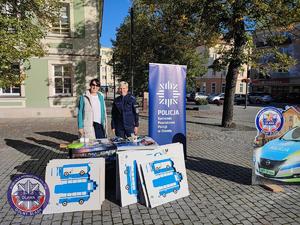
[
  {"x": 248, "y": 78},
  {"x": 106, "y": 88},
  {"x": 131, "y": 46},
  {"x": 114, "y": 75}
]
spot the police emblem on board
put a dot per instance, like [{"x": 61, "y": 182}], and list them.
[
  {"x": 28, "y": 195},
  {"x": 168, "y": 94},
  {"x": 269, "y": 120}
]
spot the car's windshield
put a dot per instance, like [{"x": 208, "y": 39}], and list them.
[{"x": 292, "y": 135}]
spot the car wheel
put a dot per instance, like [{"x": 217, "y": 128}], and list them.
[
  {"x": 64, "y": 203},
  {"x": 81, "y": 201}
]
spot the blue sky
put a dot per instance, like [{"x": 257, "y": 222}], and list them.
[{"x": 113, "y": 15}]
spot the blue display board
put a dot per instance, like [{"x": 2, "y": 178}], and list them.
[
  {"x": 167, "y": 117},
  {"x": 277, "y": 156}
]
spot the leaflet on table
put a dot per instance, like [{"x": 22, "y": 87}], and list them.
[
  {"x": 140, "y": 143},
  {"x": 91, "y": 147},
  {"x": 94, "y": 154}
]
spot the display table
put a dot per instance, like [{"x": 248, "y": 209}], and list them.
[{"x": 108, "y": 147}]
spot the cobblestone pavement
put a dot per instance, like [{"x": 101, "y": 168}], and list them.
[{"x": 218, "y": 168}]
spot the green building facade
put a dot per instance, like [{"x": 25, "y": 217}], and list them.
[{"x": 73, "y": 58}]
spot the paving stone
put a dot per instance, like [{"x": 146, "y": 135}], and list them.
[
  {"x": 148, "y": 221},
  {"x": 66, "y": 222},
  {"x": 127, "y": 221},
  {"x": 218, "y": 169}
]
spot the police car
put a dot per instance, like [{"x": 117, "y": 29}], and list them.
[{"x": 279, "y": 159}]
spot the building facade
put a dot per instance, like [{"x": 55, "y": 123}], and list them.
[
  {"x": 72, "y": 59},
  {"x": 106, "y": 69},
  {"x": 280, "y": 83},
  {"x": 214, "y": 82}
]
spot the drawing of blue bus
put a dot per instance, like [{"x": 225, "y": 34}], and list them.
[
  {"x": 72, "y": 171},
  {"x": 168, "y": 180},
  {"x": 169, "y": 183},
  {"x": 131, "y": 174},
  {"x": 75, "y": 191},
  {"x": 162, "y": 166}
]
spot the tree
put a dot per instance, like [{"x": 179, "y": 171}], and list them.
[
  {"x": 228, "y": 21},
  {"x": 159, "y": 39},
  {"x": 23, "y": 24}
]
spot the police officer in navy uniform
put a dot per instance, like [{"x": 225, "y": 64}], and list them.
[{"x": 125, "y": 117}]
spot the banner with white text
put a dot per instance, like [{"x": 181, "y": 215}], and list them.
[{"x": 167, "y": 103}]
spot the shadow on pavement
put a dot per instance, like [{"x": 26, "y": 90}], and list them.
[
  {"x": 110, "y": 182},
  {"x": 40, "y": 156},
  {"x": 206, "y": 124},
  {"x": 44, "y": 142},
  {"x": 59, "y": 135},
  {"x": 237, "y": 127},
  {"x": 234, "y": 173}
]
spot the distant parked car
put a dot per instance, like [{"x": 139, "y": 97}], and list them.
[
  {"x": 260, "y": 98},
  {"x": 293, "y": 98},
  {"x": 239, "y": 99},
  {"x": 190, "y": 96},
  {"x": 200, "y": 95},
  {"x": 210, "y": 96},
  {"x": 216, "y": 99}
]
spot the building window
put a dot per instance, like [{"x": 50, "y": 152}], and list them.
[
  {"x": 10, "y": 91},
  {"x": 241, "y": 88},
  {"x": 62, "y": 26},
  {"x": 63, "y": 79},
  {"x": 204, "y": 87},
  {"x": 214, "y": 73},
  {"x": 213, "y": 88},
  {"x": 223, "y": 88}
]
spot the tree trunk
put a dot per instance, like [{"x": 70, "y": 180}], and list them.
[
  {"x": 233, "y": 72},
  {"x": 231, "y": 78}
]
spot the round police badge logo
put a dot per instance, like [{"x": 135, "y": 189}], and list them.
[
  {"x": 269, "y": 121},
  {"x": 28, "y": 195}
]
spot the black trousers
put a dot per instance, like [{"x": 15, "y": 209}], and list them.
[
  {"x": 99, "y": 130},
  {"x": 124, "y": 132}
]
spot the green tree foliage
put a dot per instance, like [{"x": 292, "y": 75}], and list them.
[
  {"x": 157, "y": 38},
  {"x": 235, "y": 23},
  {"x": 23, "y": 24}
]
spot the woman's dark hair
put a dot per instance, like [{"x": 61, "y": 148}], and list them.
[{"x": 96, "y": 81}]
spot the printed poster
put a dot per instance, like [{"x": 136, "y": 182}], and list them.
[
  {"x": 276, "y": 158},
  {"x": 167, "y": 115},
  {"x": 75, "y": 185},
  {"x": 152, "y": 177},
  {"x": 164, "y": 175}
]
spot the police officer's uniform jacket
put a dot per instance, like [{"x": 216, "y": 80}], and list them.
[{"x": 125, "y": 114}]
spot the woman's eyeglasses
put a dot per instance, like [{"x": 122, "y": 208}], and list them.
[{"x": 95, "y": 85}]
